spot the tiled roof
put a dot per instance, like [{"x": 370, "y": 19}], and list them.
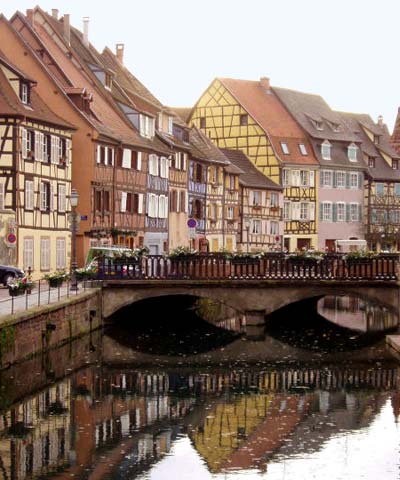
[
  {"x": 266, "y": 109},
  {"x": 382, "y": 170},
  {"x": 204, "y": 149},
  {"x": 15, "y": 69},
  {"x": 172, "y": 140},
  {"x": 10, "y": 104},
  {"x": 182, "y": 112},
  {"x": 251, "y": 177}
]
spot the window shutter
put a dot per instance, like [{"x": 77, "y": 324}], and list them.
[
  {"x": 68, "y": 143},
  {"x": 37, "y": 147},
  {"x": 24, "y": 143},
  {"x": 334, "y": 212},
  {"x": 220, "y": 175},
  {"x": 186, "y": 202},
  {"x": 227, "y": 182},
  {"x": 51, "y": 199},
  {"x": 43, "y": 147},
  {"x": 347, "y": 180},
  {"x": 360, "y": 180},
  {"x": 52, "y": 153},
  {"x": 140, "y": 203},
  {"x": 312, "y": 178},
  {"x": 360, "y": 218},
  {"x": 312, "y": 211},
  {"x": 123, "y": 201},
  {"x": 347, "y": 212},
  {"x": 98, "y": 158},
  {"x": 334, "y": 180},
  {"x": 139, "y": 161},
  {"x": 184, "y": 166},
  {"x": 126, "y": 158},
  {"x": 321, "y": 211}
]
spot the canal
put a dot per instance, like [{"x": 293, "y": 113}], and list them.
[{"x": 191, "y": 396}]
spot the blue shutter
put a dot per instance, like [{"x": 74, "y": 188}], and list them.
[
  {"x": 320, "y": 211},
  {"x": 360, "y": 211},
  {"x": 347, "y": 212},
  {"x": 321, "y": 178},
  {"x": 347, "y": 179},
  {"x": 334, "y": 212},
  {"x": 334, "y": 184},
  {"x": 360, "y": 180}
]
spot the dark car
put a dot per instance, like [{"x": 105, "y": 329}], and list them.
[{"x": 7, "y": 274}]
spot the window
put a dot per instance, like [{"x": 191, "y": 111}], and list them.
[
  {"x": 395, "y": 216},
  {"x": 126, "y": 158},
  {"x": 124, "y": 196},
  {"x": 326, "y": 150},
  {"x": 106, "y": 201},
  {"x": 255, "y": 228},
  {"x": 44, "y": 196},
  {"x": 304, "y": 178},
  {"x": 153, "y": 164},
  {"x": 97, "y": 200},
  {"x": 397, "y": 189},
  {"x": 62, "y": 204},
  {"x": 327, "y": 211},
  {"x": 326, "y": 178},
  {"x": 24, "y": 93},
  {"x": 60, "y": 254},
  {"x": 274, "y": 228},
  {"x": 108, "y": 81},
  {"x": 354, "y": 212},
  {"x": 395, "y": 164},
  {"x": 286, "y": 210},
  {"x": 243, "y": 119},
  {"x": 285, "y": 148},
  {"x": 229, "y": 213},
  {"x": 213, "y": 211},
  {"x": 371, "y": 162},
  {"x": 44, "y": 253},
  {"x": 46, "y": 148},
  {"x": 170, "y": 125},
  {"x": 340, "y": 179},
  {"x": 164, "y": 169},
  {"x": 285, "y": 177},
  {"x": 318, "y": 125},
  {"x": 340, "y": 212},
  {"x": 29, "y": 195},
  {"x": 302, "y": 149},
  {"x": 304, "y": 210},
  {"x": 28, "y": 253},
  {"x": 379, "y": 189},
  {"x": 352, "y": 152},
  {"x": 202, "y": 122},
  {"x": 146, "y": 126},
  {"x": 274, "y": 199},
  {"x": 136, "y": 160},
  {"x": 353, "y": 180}
]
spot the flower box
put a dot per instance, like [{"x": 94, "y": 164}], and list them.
[{"x": 245, "y": 261}]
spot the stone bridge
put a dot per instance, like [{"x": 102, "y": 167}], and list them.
[{"x": 254, "y": 298}]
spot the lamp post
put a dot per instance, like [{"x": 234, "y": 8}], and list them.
[
  {"x": 247, "y": 227},
  {"x": 74, "y": 198}
]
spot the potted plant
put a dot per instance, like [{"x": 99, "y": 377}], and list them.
[
  {"x": 19, "y": 286},
  {"x": 56, "y": 279},
  {"x": 305, "y": 257}
]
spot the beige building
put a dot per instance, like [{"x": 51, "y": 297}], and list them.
[{"x": 35, "y": 177}]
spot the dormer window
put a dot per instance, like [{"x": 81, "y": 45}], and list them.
[
  {"x": 108, "y": 81},
  {"x": 318, "y": 124},
  {"x": 24, "y": 93},
  {"x": 395, "y": 164},
  {"x": 376, "y": 139},
  {"x": 334, "y": 126},
  {"x": 170, "y": 125},
  {"x": 285, "y": 148},
  {"x": 302, "y": 149},
  {"x": 352, "y": 152},
  {"x": 146, "y": 126},
  {"x": 371, "y": 162},
  {"x": 326, "y": 150}
]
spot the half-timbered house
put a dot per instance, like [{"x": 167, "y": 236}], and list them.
[
  {"x": 260, "y": 216},
  {"x": 247, "y": 116},
  {"x": 382, "y": 182},
  {"x": 35, "y": 176},
  {"x": 221, "y": 192},
  {"x": 341, "y": 176}
]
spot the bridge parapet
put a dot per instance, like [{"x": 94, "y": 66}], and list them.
[{"x": 266, "y": 266}]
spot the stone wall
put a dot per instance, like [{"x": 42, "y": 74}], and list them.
[{"x": 43, "y": 328}]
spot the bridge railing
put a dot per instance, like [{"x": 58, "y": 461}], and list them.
[{"x": 269, "y": 266}]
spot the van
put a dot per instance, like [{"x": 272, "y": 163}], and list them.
[{"x": 95, "y": 253}]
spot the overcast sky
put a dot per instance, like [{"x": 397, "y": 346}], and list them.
[{"x": 343, "y": 50}]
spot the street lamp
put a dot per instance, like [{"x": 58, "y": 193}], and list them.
[
  {"x": 74, "y": 198},
  {"x": 247, "y": 227}
]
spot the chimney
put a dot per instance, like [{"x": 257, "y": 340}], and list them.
[
  {"x": 86, "y": 31},
  {"x": 264, "y": 82},
  {"x": 67, "y": 29},
  {"x": 30, "y": 17},
  {"x": 54, "y": 13},
  {"x": 119, "y": 51},
  {"x": 380, "y": 121}
]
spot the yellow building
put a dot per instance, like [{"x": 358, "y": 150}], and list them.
[
  {"x": 35, "y": 177},
  {"x": 247, "y": 116}
]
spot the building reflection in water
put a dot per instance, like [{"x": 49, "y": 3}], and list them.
[
  {"x": 107, "y": 423},
  {"x": 358, "y": 314}
]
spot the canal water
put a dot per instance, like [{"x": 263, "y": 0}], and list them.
[{"x": 192, "y": 397}]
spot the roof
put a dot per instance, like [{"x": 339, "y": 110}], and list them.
[
  {"x": 5, "y": 61},
  {"x": 204, "y": 149},
  {"x": 358, "y": 122},
  {"x": 11, "y": 104},
  {"x": 265, "y": 108},
  {"x": 251, "y": 176},
  {"x": 182, "y": 112}
]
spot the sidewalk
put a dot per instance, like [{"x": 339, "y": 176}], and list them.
[{"x": 39, "y": 296}]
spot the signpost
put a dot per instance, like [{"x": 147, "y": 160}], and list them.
[{"x": 192, "y": 223}]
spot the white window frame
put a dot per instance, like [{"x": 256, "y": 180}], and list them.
[
  {"x": 354, "y": 180},
  {"x": 304, "y": 178},
  {"x": 352, "y": 152},
  {"x": 326, "y": 150},
  {"x": 153, "y": 164},
  {"x": 286, "y": 177},
  {"x": 325, "y": 176},
  {"x": 126, "y": 158},
  {"x": 342, "y": 175},
  {"x": 285, "y": 148},
  {"x": 273, "y": 227},
  {"x": 304, "y": 211},
  {"x": 303, "y": 149},
  {"x": 286, "y": 210},
  {"x": 170, "y": 125},
  {"x": 230, "y": 211},
  {"x": 327, "y": 211},
  {"x": 62, "y": 198},
  {"x": 376, "y": 189},
  {"x": 24, "y": 93},
  {"x": 256, "y": 226},
  {"x": 44, "y": 200},
  {"x": 124, "y": 196},
  {"x": 274, "y": 199},
  {"x": 255, "y": 198},
  {"x": 340, "y": 211},
  {"x": 29, "y": 197},
  {"x": 28, "y": 253},
  {"x": 354, "y": 212}
]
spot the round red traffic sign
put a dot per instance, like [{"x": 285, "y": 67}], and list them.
[
  {"x": 11, "y": 238},
  {"x": 191, "y": 223}
]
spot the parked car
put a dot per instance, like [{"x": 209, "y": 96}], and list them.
[{"x": 8, "y": 274}]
